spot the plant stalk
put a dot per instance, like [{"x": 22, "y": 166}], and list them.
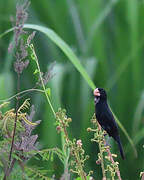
[{"x": 14, "y": 130}]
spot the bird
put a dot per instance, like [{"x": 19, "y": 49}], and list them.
[{"x": 105, "y": 117}]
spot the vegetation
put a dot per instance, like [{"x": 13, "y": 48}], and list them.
[{"x": 75, "y": 45}]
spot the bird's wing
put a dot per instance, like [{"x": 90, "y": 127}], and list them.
[{"x": 108, "y": 122}]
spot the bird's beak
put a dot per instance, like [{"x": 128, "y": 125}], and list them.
[{"x": 96, "y": 92}]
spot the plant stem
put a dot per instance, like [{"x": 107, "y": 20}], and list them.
[
  {"x": 14, "y": 130},
  {"x": 82, "y": 173},
  {"x": 64, "y": 140},
  {"x": 102, "y": 161},
  {"x": 22, "y": 92},
  {"x": 17, "y": 106},
  {"x": 101, "y": 155},
  {"x": 36, "y": 59},
  {"x": 9, "y": 169},
  {"x": 112, "y": 160}
]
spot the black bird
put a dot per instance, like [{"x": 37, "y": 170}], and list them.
[{"x": 105, "y": 117}]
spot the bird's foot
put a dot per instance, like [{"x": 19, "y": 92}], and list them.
[
  {"x": 107, "y": 144},
  {"x": 107, "y": 141}
]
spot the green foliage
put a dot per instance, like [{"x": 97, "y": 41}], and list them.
[
  {"x": 76, "y": 153},
  {"x": 35, "y": 173},
  {"x": 107, "y": 40},
  {"x": 47, "y": 154},
  {"x": 76, "y": 63}
]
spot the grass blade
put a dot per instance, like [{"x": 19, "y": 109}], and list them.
[{"x": 65, "y": 48}]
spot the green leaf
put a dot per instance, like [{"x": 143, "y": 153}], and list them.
[
  {"x": 36, "y": 71},
  {"x": 48, "y": 91},
  {"x": 65, "y": 48},
  {"x": 79, "y": 178}
]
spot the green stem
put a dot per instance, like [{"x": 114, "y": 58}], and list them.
[
  {"x": 66, "y": 151},
  {"x": 67, "y": 154},
  {"x": 36, "y": 59},
  {"x": 102, "y": 160},
  {"x": 101, "y": 154},
  {"x": 22, "y": 92},
  {"x": 38, "y": 66}
]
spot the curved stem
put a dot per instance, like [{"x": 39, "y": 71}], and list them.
[{"x": 22, "y": 92}]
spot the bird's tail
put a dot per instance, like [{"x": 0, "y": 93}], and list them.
[{"x": 117, "y": 139}]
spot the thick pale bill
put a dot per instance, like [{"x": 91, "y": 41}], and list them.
[{"x": 96, "y": 92}]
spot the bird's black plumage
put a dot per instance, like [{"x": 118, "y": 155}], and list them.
[{"x": 105, "y": 117}]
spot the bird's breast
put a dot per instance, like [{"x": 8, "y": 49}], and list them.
[{"x": 96, "y": 100}]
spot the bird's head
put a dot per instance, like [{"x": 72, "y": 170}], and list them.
[{"x": 100, "y": 94}]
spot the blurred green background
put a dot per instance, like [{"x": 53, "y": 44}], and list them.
[{"x": 107, "y": 36}]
